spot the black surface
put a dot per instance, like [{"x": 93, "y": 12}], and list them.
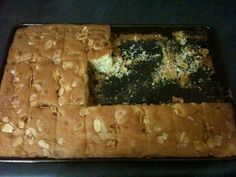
[
  {"x": 220, "y": 15},
  {"x": 139, "y": 86}
]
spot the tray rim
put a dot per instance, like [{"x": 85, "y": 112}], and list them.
[{"x": 154, "y": 159}]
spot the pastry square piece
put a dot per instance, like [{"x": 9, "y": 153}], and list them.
[
  {"x": 98, "y": 41},
  {"x": 101, "y": 132},
  {"x": 76, "y": 43},
  {"x": 51, "y": 42},
  {"x": 25, "y": 45},
  {"x": 71, "y": 136},
  {"x": 73, "y": 83},
  {"x": 16, "y": 84},
  {"x": 40, "y": 133},
  {"x": 11, "y": 130},
  {"x": 45, "y": 85},
  {"x": 131, "y": 134},
  {"x": 220, "y": 125},
  {"x": 190, "y": 131},
  {"x": 160, "y": 130}
]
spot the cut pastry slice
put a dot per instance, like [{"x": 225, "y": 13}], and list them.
[
  {"x": 40, "y": 132},
  {"x": 160, "y": 130},
  {"x": 131, "y": 133},
  {"x": 101, "y": 132},
  {"x": 70, "y": 133},
  {"x": 16, "y": 84}
]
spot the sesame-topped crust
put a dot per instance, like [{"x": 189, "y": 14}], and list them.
[{"x": 63, "y": 96}]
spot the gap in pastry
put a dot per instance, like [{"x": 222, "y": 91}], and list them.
[{"x": 154, "y": 69}]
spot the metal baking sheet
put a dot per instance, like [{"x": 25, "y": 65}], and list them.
[{"x": 144, "y": 29}]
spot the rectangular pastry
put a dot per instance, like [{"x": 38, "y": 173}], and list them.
[
  {"x": 70, "y": 133},
  {"x": 190, "y": 131},
  {"x": 131, "y": 133},
  {"x": 16, "y": 84},
  {"x": 99, "y": 48},
  {"x": 220, "y": 125},
  {"x": 40, "y": 132},
  {"x": 51, "y": 42},
  {"x": 45, "y": 85},
  {"x": 73, "y": 81},
  {"x": 161, "y": 140},
  {"x": 98, "y": 41},
  {"x": 101, "y": 132},
  {"x": 11, "y": 130},
  {"x": 75, "y": 43},
  {"x": 25, "y": 45}
]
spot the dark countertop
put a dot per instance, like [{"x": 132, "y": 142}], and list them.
[{"x": 220, "y": 15}]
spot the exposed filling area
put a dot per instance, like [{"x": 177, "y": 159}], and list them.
[{"x": 154, "y": 70}]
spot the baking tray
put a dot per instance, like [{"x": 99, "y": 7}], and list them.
[{"x": 143, "y": 29}]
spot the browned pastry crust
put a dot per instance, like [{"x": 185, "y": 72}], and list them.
[
  {"x": 16, "y": 84},
  {"x": 51, "y": 42},
  {"x": 75, "y": 43},
  {"x": 131, "y": 134},
  {"x": 12, "y": 128},
  {"x": 190, "y": 131},
  {"x": 25, "y": 45},
  {"x": 70, "y": 133},
  {"x": 98, "y": 41},
  {"x": 101, "y": 132},
  {"x": 220, "y": 126},
  {"x": 73, "y": 83},
  {"x": 44, "y": 85},
  {"x": 161, "y": 139},
  {"x": 40, "y": 132}
]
